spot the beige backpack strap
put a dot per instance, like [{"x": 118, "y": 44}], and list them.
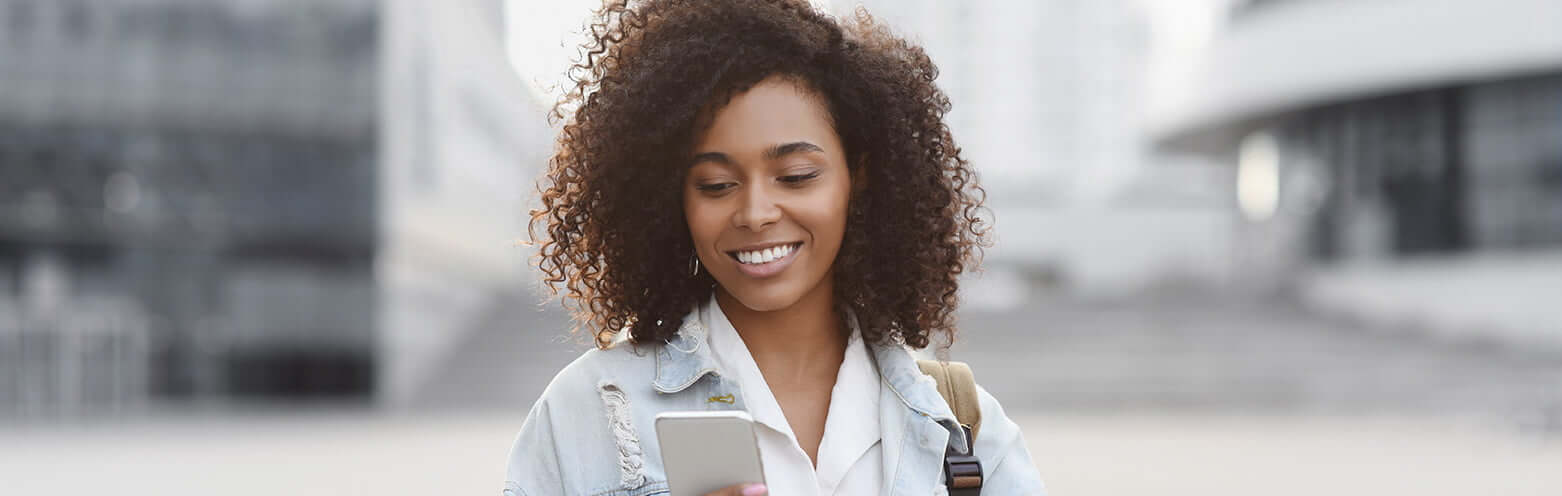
[
  {"x": 963, "y": 474},
  {"x": 957, "y": 385}
]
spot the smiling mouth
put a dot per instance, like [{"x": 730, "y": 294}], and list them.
[{"x": 765, "y": 255}]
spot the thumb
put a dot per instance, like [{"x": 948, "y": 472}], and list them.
[{"x": 742, "y": 490}]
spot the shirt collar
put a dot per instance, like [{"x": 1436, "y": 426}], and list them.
[
  {"x": 852, "y": 425},
  {"x": 735, "y": 361}
]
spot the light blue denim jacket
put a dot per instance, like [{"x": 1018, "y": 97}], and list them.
[{"x": 592, "y": 432}]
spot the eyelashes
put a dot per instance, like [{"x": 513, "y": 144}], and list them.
[
  {"x": 790, "y": 180},
  {"x": 799, "y": 178}
]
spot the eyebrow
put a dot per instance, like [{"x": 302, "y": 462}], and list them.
[{"x": 772, "y": 153}]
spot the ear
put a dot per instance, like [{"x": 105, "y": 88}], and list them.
[{"x": 860, "y": 176}]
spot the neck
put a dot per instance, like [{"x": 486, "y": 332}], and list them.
[{"x": 804, "y": 341}]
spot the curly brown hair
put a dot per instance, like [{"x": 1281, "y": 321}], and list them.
[{"x": 652, "y": 74}]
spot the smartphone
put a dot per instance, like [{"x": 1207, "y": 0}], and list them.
[{"x": 706, "y": 451}]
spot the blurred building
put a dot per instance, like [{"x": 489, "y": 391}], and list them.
[
  {"x": 1400, "y": 162},
  {"x": 237, "y": 198},
  {"x": 1047, "y": 99},
  {"x": 462, "y": 142}
]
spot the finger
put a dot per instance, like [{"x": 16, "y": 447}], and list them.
[{"x": 741, "y": 490}]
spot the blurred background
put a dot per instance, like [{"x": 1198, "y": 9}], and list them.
[{"x": 1276, "y": 246}]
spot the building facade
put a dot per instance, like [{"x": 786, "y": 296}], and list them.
[
  {"x": 217, "y": 199},
  {"x": 1399, "y": 161}
]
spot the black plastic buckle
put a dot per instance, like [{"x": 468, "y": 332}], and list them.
[{"x": 962, "y": 473}]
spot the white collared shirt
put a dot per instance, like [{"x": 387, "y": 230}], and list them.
[{"x": 850, "y": 453}]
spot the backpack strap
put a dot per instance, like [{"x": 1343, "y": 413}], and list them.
[{"x": 962, "y": 472}]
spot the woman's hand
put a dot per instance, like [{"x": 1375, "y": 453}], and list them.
[{"x": 741, "y": 490}]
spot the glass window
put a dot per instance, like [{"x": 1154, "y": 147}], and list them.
[{"x": 1514, "y": 137}]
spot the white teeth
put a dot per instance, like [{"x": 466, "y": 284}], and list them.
[{"x": 764, "y": 256}]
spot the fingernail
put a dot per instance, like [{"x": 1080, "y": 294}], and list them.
[{"x": 755, "y": 490}]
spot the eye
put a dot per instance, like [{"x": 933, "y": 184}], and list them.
[
  {"x": 714, "y": 187},
  {"x": 799, "y": 178}
]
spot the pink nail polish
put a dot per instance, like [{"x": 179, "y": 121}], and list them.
[{"x": 755, "y": 490}]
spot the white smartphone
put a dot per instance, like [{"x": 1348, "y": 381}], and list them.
[{"x": 706, "y": 451}]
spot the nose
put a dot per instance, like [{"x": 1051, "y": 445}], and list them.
[{"x": 757, "y": 211}]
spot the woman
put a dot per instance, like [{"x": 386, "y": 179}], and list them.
[{"x": 757, "y": 208}]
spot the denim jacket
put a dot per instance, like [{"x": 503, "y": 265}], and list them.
[{"x": 592, "y": 432}]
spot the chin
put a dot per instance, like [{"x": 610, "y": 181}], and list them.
[{"x": 765, "y": 299}]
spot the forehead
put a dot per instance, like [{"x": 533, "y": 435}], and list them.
[{"x": 775, "y": 110}]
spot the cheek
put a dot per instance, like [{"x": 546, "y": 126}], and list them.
[
  {"x": 704, "y": 222},
  {"x": 826, "y": 216}
]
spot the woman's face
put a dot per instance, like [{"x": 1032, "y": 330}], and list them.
[{"x": 766, "y": 196}]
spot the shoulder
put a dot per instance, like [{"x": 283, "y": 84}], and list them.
[
  {"x": 1003, "y": 450},
  {"x": 617, "y": 367},
  {"x": 998, "y": 429}
]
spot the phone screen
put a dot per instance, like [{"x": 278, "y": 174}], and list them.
[{"x": 706, "y": 451}]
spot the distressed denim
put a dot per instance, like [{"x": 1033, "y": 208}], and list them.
[{"x": 592, "y": 432}]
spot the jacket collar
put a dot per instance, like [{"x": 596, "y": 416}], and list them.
[
  {"x": 898, "y": 369},
  {"x": 685, "y": 358}
]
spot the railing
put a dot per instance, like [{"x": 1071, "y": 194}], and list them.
[{"x": 90, "y": 359}]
